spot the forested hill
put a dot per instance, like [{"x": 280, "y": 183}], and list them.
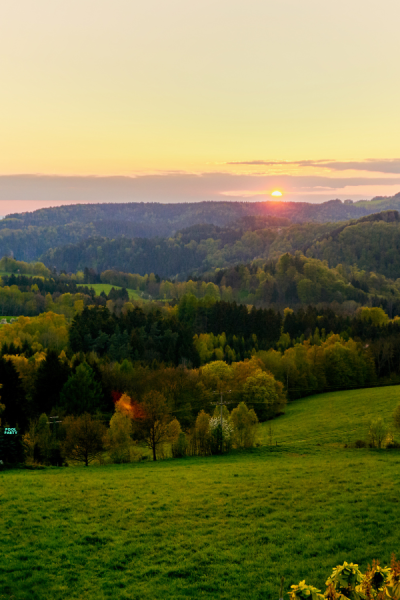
[
  {"x": 372, "y": 243},
  {"x": 135, "y": 219},
  {"x": 70, "y": 236},
  {"x": 193, "y": 251}
]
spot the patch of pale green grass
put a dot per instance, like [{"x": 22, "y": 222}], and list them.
[{"x": 106, "y": 288}]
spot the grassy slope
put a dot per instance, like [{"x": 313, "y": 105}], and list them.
[
  {"x": 106, "y": 288},
  {"x": 221, "y": 527},
  {"x": 334, "y": 418}
]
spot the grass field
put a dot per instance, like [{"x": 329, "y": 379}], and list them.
[
  {"x": 331, "y": 419},
  {"x": 106, "y": 288},
  {"x": 218, "y": 527}
]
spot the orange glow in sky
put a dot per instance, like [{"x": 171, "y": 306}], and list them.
[{"x": 177, "y": 90}]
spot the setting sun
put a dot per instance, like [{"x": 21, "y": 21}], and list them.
[{"x": 276, "y": 193}]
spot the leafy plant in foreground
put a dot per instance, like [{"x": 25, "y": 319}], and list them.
[
  {"x": 305, "y": 592},
  {"x": 347, "y": 582},
  {"x": 393, "y": 582},
  {"x": 346, "y": 579}
]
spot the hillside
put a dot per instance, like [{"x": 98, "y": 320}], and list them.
[
  {"x": 371, "y": 244},
  {"x": 219, "y": 527},
  {"x": 29, "y": 235}
]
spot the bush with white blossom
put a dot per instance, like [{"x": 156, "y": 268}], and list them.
[{"x": 227, "y": 427}]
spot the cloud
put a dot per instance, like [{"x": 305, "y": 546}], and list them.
[{"x": 374, "y": 165}]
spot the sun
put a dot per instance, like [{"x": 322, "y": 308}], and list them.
[{"x": 277, "y": 193}]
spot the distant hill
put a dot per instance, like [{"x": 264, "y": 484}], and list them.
[
  {"x": 28, "y": 236},
  {"x": 371, "y": 243}
]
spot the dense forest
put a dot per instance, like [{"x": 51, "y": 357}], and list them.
[
  {"x": 28, "y": 236},
  {"x": 293, "y": 280},
  {"x": 370, "y": 243}
]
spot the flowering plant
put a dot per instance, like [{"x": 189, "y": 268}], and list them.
[{"x": 227, "y": 427}]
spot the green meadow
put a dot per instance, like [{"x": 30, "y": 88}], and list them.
[
  {"x": 217, "y": 527},
  {"x": 106, "y": 288}
]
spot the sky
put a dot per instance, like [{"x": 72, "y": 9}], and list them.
[{"x": 188, "y": 100}]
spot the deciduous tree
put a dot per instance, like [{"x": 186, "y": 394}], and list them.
[
  {"x": 84, "y": 438},
  {"x": 244, "y": 423},
  {"x": 263, "y": 393},
  {"x": 118, "y": 440},
  {"x": 154, "y": 427}
]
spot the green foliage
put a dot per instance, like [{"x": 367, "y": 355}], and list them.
[
  {"x": 83, "y": 441},
  {"x": 376, "y": 316},
  {"x": 393, "y": 583},
  {"x": 375, "y": 580},
  {"x": 221, "y": 434},
  {"x": 264, "y": 394},
  {"x": 244, "y": 423},
  {"x": 51, "y": 376},
  {"x": 43, "y": 438},
  {"x": 346, "y": 580},
  {"x": 81, "y": 393},
  {"x": 9, "y": 265},
  {"x": 180, "y": 447},
  {"x": 377, "y": 433},
  {"x": 117, "y": 439},
  {"x": 305, "y": 592}
]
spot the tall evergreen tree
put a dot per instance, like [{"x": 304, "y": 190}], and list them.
[
  {"x": 50, "y": 380},
  {"x": 81, "y": 393}
]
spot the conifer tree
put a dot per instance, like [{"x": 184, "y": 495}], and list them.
[{"x": 81, "y": 393}]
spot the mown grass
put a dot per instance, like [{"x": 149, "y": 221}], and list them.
[
  {"x": 218, "y": 527},
  {"x": 106, "y": 288}
]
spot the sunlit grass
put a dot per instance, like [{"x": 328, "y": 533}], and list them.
[
  {"x": 332, "y": 418},
  {"x": 106, "y": 288},
  {"x": 217, "y": 527}
]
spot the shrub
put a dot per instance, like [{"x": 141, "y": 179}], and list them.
[
  {"x": 305, "y": 592},
  {"x": 346, "y": 579},
  {"x": 377, "y": 433},
  {"x": 360, "y": 444},
  {"x": 392, "y": 445},
  {"x": 244, "y": 423},
  {"x": 221, "y": 435},
  {"x": 179, "y": 448}
]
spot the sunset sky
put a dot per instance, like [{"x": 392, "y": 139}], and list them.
[{"x": 183, "y": 100}]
